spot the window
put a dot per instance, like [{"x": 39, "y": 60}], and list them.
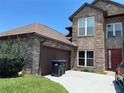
[
  {"x": 110, "y": 30},
  {"x": 90, "y": 25},
  {"x": 82, "y": 27},
  {"x": 82, "y": 58},
  {"x": 86, "y": 26},
  {"x": 118, "y": 29},
  {"x": 114, "y": 30},
  {"x": 86, "y": 58}
]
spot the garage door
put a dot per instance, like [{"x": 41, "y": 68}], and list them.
[
  {"x": 114, "y": 58},
  {"x": 48, "y": 54}
]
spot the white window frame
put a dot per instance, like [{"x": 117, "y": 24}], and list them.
[
  {"x": 113, "y": 29},
  {"x": 85, "y": 63},
  {"x": 86, "y": 26}
]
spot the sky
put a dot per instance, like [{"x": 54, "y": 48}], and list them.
[{"x": 53, "y": 13}]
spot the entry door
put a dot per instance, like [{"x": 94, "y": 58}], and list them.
[{"x": 114, "y": 58}]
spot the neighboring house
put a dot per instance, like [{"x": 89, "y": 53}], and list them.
[
  {"x": 97, "y": 40},
  {"x": 98, "y": 31},
  {"x": 42, "y": 44}
]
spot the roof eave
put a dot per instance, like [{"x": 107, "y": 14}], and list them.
[
  {"x": 40, "y": 36},
  {"x": 55, "y": 39},
  {"x": 16, "y": 34},
  {"x": 117, "y": 15}
]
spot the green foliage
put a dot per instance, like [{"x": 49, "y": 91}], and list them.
[
  {"x": 11, "y": 49},
  {"x": 87, "y": 69},
  {"x": 92, "y": 70},
  {"x": 11, "y": 58},
  {"x": 30, "y": 84}
]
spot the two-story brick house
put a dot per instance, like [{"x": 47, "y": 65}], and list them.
[
  {"x": 96, "y": 35},
  {"x": 98, "y": 29}
]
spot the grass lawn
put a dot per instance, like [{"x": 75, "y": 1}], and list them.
[{"x": 30, "y": 84}]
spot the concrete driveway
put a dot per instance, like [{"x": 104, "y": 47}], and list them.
[{"x": 82, "y": 82}]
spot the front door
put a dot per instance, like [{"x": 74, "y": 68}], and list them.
[{"x": 114, "y": 58}]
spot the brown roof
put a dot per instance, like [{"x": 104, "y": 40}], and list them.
[
  {"x": 40, "y": 30},
  {"x": 92, "y": 6},
  {"x": 109, "y": 1},
  {"x": 84, "y": 5}
]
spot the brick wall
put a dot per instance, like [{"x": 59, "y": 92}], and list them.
[
  {"x": 110, "y": 8},
  {"x": 96, "y": 42}
]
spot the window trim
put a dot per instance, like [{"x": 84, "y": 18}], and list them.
[
  {"x": 85, "y": 63},
  {"x": 114, "y": 29},
  {"x": 86, "y": 26}
]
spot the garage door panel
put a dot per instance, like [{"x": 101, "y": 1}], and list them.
[{"x": 48, "y": 54}]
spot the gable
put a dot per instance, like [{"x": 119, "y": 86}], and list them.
[
  {"x": 112, "y": 8},
  {"x": 83, "y": 8}
]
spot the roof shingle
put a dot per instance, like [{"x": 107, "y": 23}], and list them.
[{"x": 38, "y": 29}]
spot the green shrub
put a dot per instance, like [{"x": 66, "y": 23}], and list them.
[
  {"x": 11, "y": 58},
  {"x": 88, "y": 69},
  {"x": 10, "y": 67},
  {"x": 92, "y": 70}
]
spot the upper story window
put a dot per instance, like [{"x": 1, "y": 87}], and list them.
[
  {"x": 114, "y": 30},
  {"x": 86, "y": 26}
]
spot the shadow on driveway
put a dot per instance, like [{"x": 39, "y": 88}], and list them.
[{"x": 118, "y": 89}]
